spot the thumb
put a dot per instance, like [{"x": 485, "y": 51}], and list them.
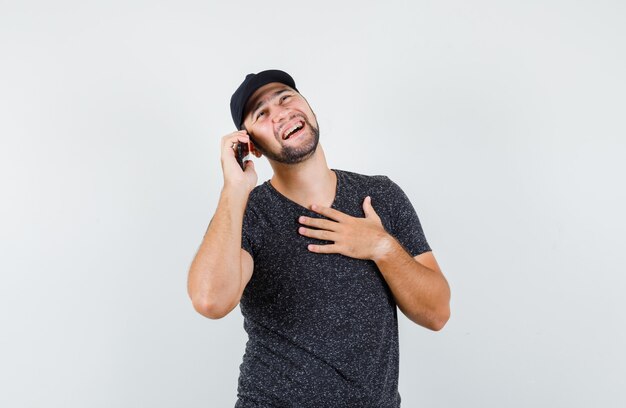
[
  {"x": 249, "y": 166},
  {"x": 367, "y": 207}
]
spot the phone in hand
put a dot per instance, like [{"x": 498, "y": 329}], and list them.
[{"x": 241, "y": 151}]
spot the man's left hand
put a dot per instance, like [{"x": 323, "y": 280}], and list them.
[{"x": 361, "y": 238}]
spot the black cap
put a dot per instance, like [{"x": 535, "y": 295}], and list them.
[{"x": 250, "y": 85}]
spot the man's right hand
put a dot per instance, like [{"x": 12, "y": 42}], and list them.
[
  {"x": 234, "y": 177},
  {"x": 221, "y": 268}
]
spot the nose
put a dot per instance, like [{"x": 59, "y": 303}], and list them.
[{"x": 279, "y": 114}]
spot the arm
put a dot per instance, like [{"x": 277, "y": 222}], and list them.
[
  {"x": 221, "y": 268},
  {"x": 417, "y": 284}
]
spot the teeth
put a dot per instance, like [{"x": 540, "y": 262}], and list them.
[{"x": 290, "y": 131}]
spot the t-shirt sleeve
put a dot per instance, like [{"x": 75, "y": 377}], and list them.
[
  {"x": 405, "y": 224},
  {"x": 248, "y": 235}
]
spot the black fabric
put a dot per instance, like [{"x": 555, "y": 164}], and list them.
[
  {"x": 322, "y": 328},
  {"x": 251, "y": 83}
]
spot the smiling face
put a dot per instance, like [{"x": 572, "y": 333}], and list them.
[{"x": 281, "y": 124}]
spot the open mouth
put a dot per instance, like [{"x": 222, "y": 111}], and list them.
[{"x": 294, "y": 130}]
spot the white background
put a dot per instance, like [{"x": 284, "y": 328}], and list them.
[{"x": 503, "y": 121}]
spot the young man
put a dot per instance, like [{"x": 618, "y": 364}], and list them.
[{"x": 317, "y": 258}]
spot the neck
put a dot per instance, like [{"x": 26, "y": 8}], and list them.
[{"x": 308, "y": 182}]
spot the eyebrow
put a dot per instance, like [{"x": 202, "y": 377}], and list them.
[{"x": 262, "y": 103}]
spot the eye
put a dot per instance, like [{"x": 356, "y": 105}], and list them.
[
  {"x": 259, "y": 114},
  {"x": 285, "y": 97}
]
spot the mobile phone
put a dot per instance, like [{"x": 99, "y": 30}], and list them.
[{"x": 241, "y": 152}]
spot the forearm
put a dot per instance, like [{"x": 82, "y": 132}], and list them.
[
  {"x": 215, "y": 273},
  {"x": 421, "y": 293}
]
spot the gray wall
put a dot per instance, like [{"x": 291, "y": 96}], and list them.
[{"x": 502, "y": 121}]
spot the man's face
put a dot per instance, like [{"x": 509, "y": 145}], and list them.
[{"x": 281, "y": 123}]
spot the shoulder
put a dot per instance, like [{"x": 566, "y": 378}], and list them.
[
  {"x": 259, "y": 198},
  {"x": 372, "y": 182},
  {"x": 259, "y": 195},
  {"x": 379, "y": 186},
  {"x": 259, "y": 191}
]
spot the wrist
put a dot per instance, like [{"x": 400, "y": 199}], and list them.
[
  {"x": 234, "y": 197},
  {"x": 238, "y": 189},
  {"x": 385, "y": 248}
]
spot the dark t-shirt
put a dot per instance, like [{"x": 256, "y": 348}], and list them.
[{"x": 322, "y": 328}]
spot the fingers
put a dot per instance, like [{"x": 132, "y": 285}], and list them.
[
  {"x": 233, "y": 174},
  {"x": 329, "y": 212},
  {"x": 326, "y": 232},
  {"x": 323, "y": 249},
  {"x": 230, "y": 141},
  {"x": 322, "y": 235},
  {"x": 229, "y": 156},
  {"x": 320, "y": 223}
]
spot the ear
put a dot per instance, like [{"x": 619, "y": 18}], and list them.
[{"x": 254, "y": 150}]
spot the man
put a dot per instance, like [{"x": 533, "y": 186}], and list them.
[{"x": 318, "y": 260}]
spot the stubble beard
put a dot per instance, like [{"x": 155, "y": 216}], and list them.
[{"x": 293, "y": 154}]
